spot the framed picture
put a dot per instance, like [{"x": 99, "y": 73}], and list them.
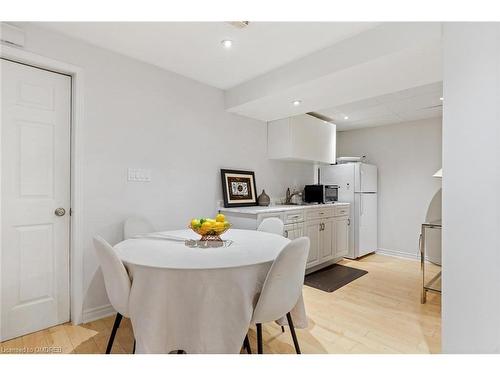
[{"x": 238, "y": 188}]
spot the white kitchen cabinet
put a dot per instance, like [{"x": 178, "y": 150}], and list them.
[
  {"x": 293, "y": 231},
  {"x": 303, "y": 137},
  {"x": 312, "y": 229},
  {"x": 322, "y": 236},
  {"x": 327, "y": 240},
  {"x": 325, "y": 225},
  {"x": 341, "y": 236}
]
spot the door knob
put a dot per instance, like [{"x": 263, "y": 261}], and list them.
[{"x": 60, "y": 211}]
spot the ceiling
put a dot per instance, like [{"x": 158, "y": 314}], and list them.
[
  {"x": 386, "y": 59},
  {"x": 407, "y": 105},
  {"x": 373, "y": 73},
  {"x": 193, "y": 49}
]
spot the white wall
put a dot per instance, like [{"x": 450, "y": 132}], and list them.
[
  {"x": 140, "y": 116},
  {"x": 471, "y": 185},
  {"x": 407, "y": 155}
]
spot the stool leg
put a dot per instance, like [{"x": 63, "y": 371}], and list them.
[
  {"x": 292, "y": 330},
  {"x": 116, "y": 324},
  {"x": 247, "y": 346},
  {"x": 259, "y": 339}
]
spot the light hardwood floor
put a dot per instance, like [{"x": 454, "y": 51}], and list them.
[{"x": 377, "y": 313}]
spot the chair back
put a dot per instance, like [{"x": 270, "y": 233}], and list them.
[
  {"x": 116, "y": 278},
  {"x": 283, "y": 285},
  {"x": 137, "y": 225},
  {"x": 272, "y": 225}
]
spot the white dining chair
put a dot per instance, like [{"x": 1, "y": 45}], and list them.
[
  {"x": 137, "y": 225},
  {"x": 276, "y": 226},
  {"x": 282, "y": 289},
  {"x": 272, "y": 225},
  {"x": 116, "y": 281}
]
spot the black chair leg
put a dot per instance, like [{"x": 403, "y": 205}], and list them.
[
  {"x": 246, "y": 345},
  {"x": 282, "y": 329},
  {"x": 292, "y": 330},
  {"x": 259, "y": 339},
  {"x": 133, "y": 350},
  {"x": 118, "y": 319}
]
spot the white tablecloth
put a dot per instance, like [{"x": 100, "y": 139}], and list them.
[{"x": 198, "y": 300}]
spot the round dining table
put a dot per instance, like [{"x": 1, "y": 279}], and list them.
[{"x": 185, "y": 296}]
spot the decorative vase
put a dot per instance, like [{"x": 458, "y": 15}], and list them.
[{"x": 263, "y": 199}]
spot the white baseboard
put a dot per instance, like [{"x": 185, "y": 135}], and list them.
[
  {"x": 95, "y": 313},
  {"x": 398, "y": 254}
]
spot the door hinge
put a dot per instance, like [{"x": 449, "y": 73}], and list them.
[{"x": 70, "y": 211}]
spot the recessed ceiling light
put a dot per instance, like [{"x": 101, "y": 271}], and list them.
[
  {"x": 296, "y": 103},
  {"x": 346, "y": 117},
  {"x": 441, "y": 98},
  {"x": 227, "y": 43}
]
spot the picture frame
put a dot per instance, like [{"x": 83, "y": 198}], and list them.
[{"x": 238, "y": 188}]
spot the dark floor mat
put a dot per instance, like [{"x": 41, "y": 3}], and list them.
[{"x": 333, "y": 277}]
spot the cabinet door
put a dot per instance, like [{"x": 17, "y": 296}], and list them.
[
  {"x": 293, "y": 231},
  {"x": 341, "y": 236},
  {"x": 313, "y": 139},
  {"x": 312, "y": 230},
  {"x": 279, "y": 144},
  {"x": 327, "y": 238}
]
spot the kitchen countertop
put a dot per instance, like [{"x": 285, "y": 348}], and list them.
[{"x": 255, "y": 210}]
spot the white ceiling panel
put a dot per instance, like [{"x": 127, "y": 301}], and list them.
[
  {"x": 433, "y": 88},
  {"x": 193, "y": 49},
  {"x": 366, "y": 104},
  {"x": 413, "y": 103},
  {"x": 408, "y": 105},
  {"x": 422, "y": 114}
]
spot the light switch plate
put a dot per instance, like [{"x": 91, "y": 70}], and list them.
[{"x": 139, "y": 175}]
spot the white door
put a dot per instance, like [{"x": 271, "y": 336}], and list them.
[
  {"x": 327, "y": 238},
  {"x": 341, "y": 236},
  {"x": 35, "y": 181},
  {"x": 312, "y": 229},
  {"x": 366, "y": 217},
  {"x": 365, "y": 178},
  {"x": 293, "y": 231}
]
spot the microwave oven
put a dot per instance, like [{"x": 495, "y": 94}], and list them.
[{"x": 321, "y": 193}]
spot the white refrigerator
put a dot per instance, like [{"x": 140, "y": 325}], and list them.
[{"x": 357, "y": 186}]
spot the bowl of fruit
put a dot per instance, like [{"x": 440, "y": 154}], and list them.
[{"x": 210, "y": 229}]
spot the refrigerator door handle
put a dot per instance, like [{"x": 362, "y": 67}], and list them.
[
  {"x": 360, "y": 178},
  {"x": 361, "y": 204}
]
